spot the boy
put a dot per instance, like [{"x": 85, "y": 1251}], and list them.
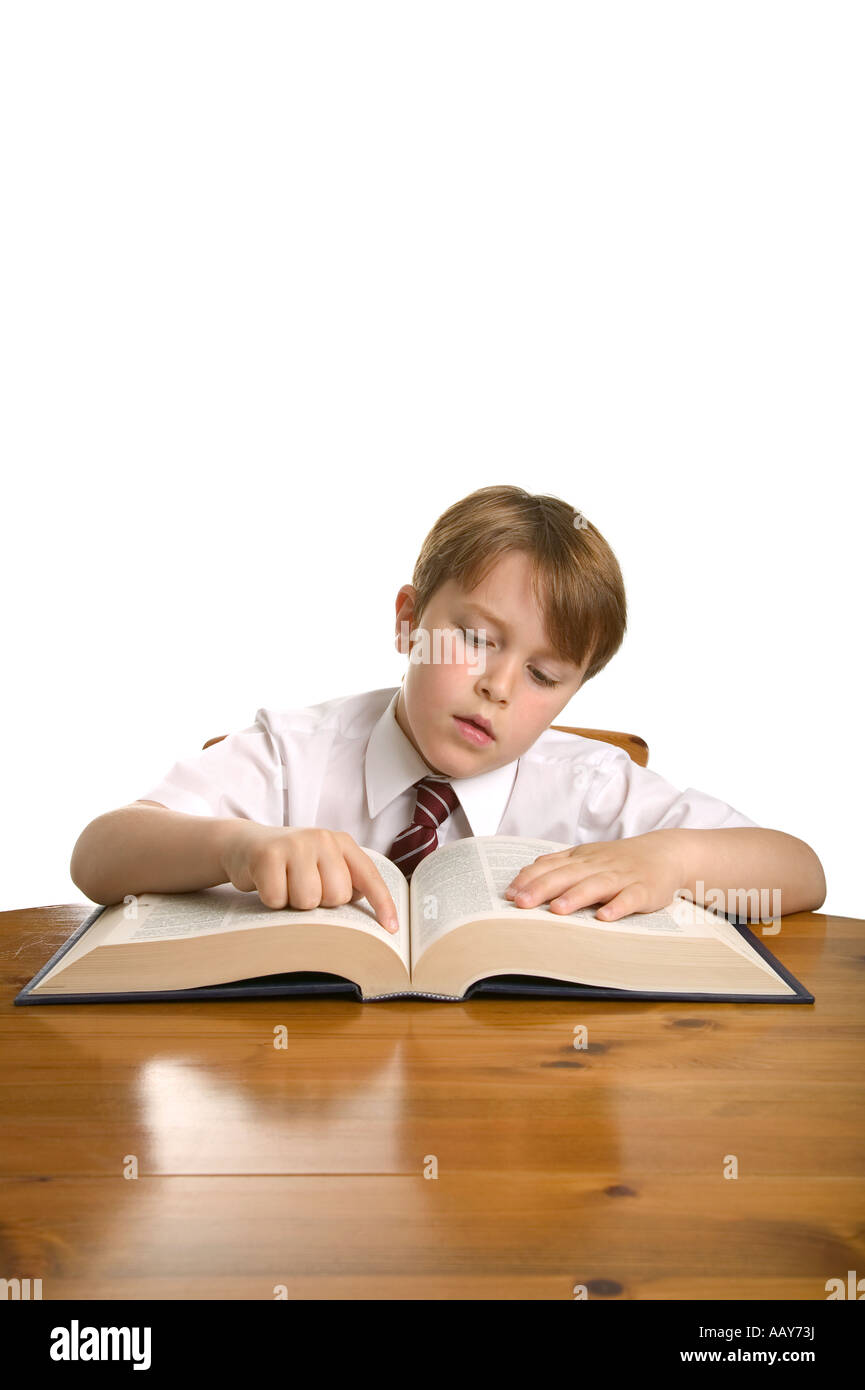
[{"x": 521, "y": 602}]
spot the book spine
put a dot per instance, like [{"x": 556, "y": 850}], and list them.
[{"x": 411, "y": 994}]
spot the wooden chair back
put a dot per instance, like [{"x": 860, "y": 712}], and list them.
[
  {"x": 637, "y": 748},
  {"x": 634, "y": 746}
]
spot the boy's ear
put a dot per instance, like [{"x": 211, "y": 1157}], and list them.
[{"x": 405, "y": 600}]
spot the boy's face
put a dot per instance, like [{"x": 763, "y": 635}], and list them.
[{"x": 494, "y": 674}]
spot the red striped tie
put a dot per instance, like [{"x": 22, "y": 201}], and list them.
[{"x": 436, "y": 799}]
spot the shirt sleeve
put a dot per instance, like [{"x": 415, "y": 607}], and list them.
[
  {"x": 624, "y": 799},
  {"x": 241, "y": 776}
]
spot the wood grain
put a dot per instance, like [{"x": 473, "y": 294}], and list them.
[{"x": 557, "y": 1167}]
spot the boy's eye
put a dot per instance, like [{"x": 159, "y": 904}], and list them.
[
  {"x": 471, "y": 639},
  {"x": 538, "y": 675}
]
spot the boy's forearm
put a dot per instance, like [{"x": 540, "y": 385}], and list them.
[
  {"x": 148, "y": 849},
  {"x": 744, "y": 862}
]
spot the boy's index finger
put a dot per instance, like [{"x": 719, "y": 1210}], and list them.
[{"x": 366, "y": 877}]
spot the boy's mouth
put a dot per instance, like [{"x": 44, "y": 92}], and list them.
[{"x": 477, "y": 730}]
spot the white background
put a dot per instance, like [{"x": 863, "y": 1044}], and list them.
[{"x": 281, "y": 282}]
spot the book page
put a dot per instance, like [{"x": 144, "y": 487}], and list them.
[
  {"x": 467, "y": 878},
  {"x": 163, "y": 916},
  {"x": 447, "y": 886},
  {"x": 694, "y": 916}
]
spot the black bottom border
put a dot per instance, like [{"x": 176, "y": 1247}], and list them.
[{"x": 285, "y": 1334}]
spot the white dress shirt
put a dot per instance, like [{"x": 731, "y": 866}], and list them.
[{"x": 346, "y": 764}]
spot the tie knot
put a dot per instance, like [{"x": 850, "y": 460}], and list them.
[{"x": 436, "y": 799}]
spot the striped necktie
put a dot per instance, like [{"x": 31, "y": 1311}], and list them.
[{"x": 436, "y": 799}]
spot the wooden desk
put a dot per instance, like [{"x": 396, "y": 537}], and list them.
[{"x": 304, "y": 1167}]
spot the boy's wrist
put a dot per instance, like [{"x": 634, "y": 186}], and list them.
[
  {"x": 675, "y": 846},
  {"x": 225, "y": 831}
]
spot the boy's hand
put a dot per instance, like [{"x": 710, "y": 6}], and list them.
[
  {"x": 639, "y": 874},
  {"x": 304, "y": 868}
]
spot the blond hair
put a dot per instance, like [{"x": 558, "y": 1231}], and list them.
[{"x": 576, "y": 580}]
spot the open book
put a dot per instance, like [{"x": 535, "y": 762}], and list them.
[{"x": 458, "y": 936}]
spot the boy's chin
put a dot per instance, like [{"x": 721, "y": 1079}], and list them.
[
  {"x": 441, "y": 764},
  {"x": 437, "y": 770},
  {"x": 444, "y": 763}
]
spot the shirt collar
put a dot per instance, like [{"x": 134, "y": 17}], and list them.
[{"x": 392, "y": 764}]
